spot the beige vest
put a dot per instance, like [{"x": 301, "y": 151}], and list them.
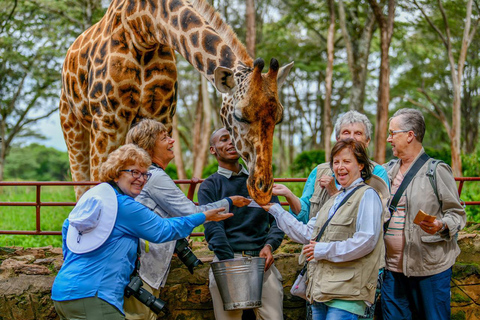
[
  {"x": 320, "y": 195},
  {"x": 352, "y": 280}
]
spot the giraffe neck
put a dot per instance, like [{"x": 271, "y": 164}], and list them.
[{"x": 194, "y": 30}]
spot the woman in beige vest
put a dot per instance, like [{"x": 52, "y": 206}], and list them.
[{"x": 343, "y": 263}]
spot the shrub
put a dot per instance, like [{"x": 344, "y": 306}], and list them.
[{"x": 306, "y": 161}]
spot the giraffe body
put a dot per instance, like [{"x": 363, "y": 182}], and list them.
[{"x": 122, "y": 69}]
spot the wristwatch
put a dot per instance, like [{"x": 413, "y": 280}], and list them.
[{"x": 444, "y": 225}]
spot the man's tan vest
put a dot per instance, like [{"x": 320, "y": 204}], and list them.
[{"x": 352, "y": 280}]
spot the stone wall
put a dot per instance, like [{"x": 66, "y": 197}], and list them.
[{"x": 26, "y": 277}]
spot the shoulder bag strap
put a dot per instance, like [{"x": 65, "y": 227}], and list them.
[
  {"x": 322, "y": 230},
  {"x": 406, "y": 181},
  {"x": 344, "y": 200}
]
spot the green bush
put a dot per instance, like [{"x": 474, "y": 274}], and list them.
[
  {"x": 306, "y": 161},
  {"x": 36, "y": 162},
  {"x": 470, "y": 164},
  {"x": 441, "y": 154}
]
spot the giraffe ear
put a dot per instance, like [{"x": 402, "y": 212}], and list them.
[
  {"x": 282, "y": 74},
  {"x": 224, "y": 79}
]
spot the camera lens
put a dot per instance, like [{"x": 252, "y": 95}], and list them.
[{"x": 186, "y": 255}]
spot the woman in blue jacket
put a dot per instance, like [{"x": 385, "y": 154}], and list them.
[{"x": 100, "y": 238}]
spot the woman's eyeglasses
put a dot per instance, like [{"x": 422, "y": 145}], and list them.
[{"x": 137, "y": 174}]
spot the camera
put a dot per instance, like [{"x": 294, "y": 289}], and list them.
[
  {"x": 135, "y": 288},
  {"x": 186, "y": 255}
]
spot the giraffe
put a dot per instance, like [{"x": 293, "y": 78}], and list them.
[{"x": 122, "y": 69}]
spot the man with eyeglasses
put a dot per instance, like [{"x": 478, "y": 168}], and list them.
[{"x": 419, "y": 257}]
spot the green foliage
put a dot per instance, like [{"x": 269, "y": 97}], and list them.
[
  {"x": 37, "y": 163},
  {"x": 210, "y": 169},
  {"x": 470, "y": 164},
  {"x": 441, "y": 154},
  {"x": 171, "y": 170},
  {"x": 306, "y": 161}
]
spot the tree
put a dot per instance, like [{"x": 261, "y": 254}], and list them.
[
  {"x": 41, "y": 164},
  {"x": 327, "y": 122},
  {"x": 29, "y": 82},
  {"x": 456, "y": 74},
  {"x": 357, "y": 37},
  {"x": 386, "y": 31},
  {"x": 250, "y": 18},
  {"x": 34, "y": 36}
]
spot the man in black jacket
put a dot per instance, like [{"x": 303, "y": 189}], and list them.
[{"x": 250, "y": 232}]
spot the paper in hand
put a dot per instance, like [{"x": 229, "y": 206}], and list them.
[{"x": 422, "y": 216}]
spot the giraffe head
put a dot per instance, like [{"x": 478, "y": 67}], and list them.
[{"x": 251, "y": 109}]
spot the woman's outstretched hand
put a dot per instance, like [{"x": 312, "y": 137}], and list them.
[
  {"x": 267, "y": 206},
  {"x": 239, "y": 201},
  {"x": 218, "y": 214}
]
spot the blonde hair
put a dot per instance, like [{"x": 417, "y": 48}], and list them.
[
  {"x": 145, "y": 133},
  {"x": 121, "y": 158}
]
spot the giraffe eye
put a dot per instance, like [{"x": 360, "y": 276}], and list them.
[
  {"x": 239, "y": 116},
  {"x": 240, "y": 119}
]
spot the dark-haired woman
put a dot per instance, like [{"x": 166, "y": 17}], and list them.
[{"x": 343, "y": 264}]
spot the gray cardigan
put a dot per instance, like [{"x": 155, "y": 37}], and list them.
[{"x": 162, "y": 195}]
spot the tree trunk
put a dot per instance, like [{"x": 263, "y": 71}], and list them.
[
  {"x": 251, "y": 30},
  {"x": 202, "y": 130},
  {"x": 358, "y": 52},
  {"x": 456, "y": 130},
  {"x": 386, "y": 31},
  {"x": 327, "y": 121},
  {"x": 382, "y": 103},
  {"x": 177, "y": 149}
]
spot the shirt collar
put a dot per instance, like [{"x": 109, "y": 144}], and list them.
[
  {"x": 229, "y": 173},
  {"x": 353, "y": 185}
]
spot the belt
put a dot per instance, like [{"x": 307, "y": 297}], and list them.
[{"x": 249, "y": 253}]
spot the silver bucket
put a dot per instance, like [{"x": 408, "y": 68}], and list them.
[{"x": 240, "y": 282}]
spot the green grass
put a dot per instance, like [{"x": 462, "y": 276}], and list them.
[{"x": 24, "y": 218}]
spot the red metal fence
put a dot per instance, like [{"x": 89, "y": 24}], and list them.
[{"x": 38, "y": 204}]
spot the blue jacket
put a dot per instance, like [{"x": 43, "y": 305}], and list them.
[{"x": 106, "y": 271}]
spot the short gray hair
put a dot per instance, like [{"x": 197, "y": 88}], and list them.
[
  {"x": 411, "y": 120},
  {"x": 353, "y": 117}
]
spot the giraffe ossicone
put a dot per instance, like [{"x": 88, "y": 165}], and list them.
[{"x": 122, "y": 69}]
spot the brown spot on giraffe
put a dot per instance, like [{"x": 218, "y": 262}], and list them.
[{"x": 123, "y": 69}]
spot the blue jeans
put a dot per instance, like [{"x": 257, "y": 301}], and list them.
[
  {"x": 409, "y": 298},
  {"x": 321, "y": 311}
]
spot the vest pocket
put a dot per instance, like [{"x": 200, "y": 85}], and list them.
[
  {"x": 340, "y": 281},
  {"x": 315, "y": 199}
]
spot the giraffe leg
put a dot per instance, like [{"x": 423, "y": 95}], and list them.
[
  {"x": 103, "y": 141},
  {"x": 78, "y": 145}
]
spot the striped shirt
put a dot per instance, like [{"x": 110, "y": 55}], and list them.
[{"x": 395, "y": 234}]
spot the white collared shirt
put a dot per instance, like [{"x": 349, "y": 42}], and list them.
[{"x": 363, "y": 241}]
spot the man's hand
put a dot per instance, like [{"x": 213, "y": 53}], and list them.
[
  {"x": 267, "y": 254},
  {"x": 328, "y": 183},
  {"x": 309, "y": 250},
  {"x": 217, "y": 214},
  {"x": 239, "y": 201}
]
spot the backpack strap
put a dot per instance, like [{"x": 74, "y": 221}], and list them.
[
  {"x": 432, "y": 176},
  {"x": 406, "y": 181}
]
